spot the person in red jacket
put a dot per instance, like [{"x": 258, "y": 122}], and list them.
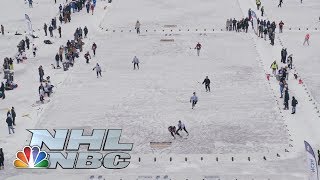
[{"x": 306, "y": 39}]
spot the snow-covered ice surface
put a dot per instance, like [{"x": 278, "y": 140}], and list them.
[{"x": 242, "y": 117}]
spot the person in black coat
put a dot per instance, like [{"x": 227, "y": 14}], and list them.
[
  {"x": 45, "y": 28},
  {"x": 294, "y": 103},
  {"x": 206, "y": 82},
  {"x": 41, "y": 73},
  {"x": 9, "y": 122},
  {"x": 286, "y": 99},
  {"x": 2, "y": 89},
  {"x": 14, "y": 115},
  {"x": 57, "y": 60},
  {"x": 1, "y": 159},
  {"x": 59, "y": 30},
  {"x": 27, "y": 42}
]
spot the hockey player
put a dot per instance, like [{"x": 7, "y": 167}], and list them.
[
  {"x": 194, "y": 100},
  {"x": 137, "y": 27},
  {"x": 280, "y": 3},
  {"x": 281, "y": 24},
  {"x": 294, "y": 103},
  {"x": 87, "y": 57},
  {"x": 9, "y": 122},
  {"x": 198, "y": 48},
  {"x": 98, "y": 70},
  {"x": 94, "y": 47},
  {"x": 172, "y": 130},
  {"x": 135, "y": 62},
  {"x": 206, "y": 82},
  {"x": 290, "y": 61},
  {"x": 306, "y": 39},
  {"x": 181, "y": 127}
]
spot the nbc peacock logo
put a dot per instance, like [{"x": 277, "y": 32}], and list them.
[{"x": 31, "y": 157}]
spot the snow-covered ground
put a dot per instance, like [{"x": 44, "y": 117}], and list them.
[{"x": 242, "y": 117}]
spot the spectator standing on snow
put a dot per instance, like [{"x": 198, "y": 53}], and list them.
[
  {"x": 194, "y": 100},
  {"x": 59, "y": 30},
  {"x": 45, "y": 28},
  {"x": 262, "y": 11},
  {"x": 85, "y": 30},
  {"x": 284, "y": 54},
  {"x": 98, "y": 70},
  {"x": 41, "y": 73},
  {"x": 137, "y": 27},
  {"x": 135, "y": 62},
  {"x": 206, "y": 82},
  {"x": 14, "y": 115},
  {"x": 181, "y": 127},
  {"x": 57, "y": 58},
  {"x": 294, "y": 103},
  {"x": 306, "y": 39},
  {"x": 27, "y": 42},
  {"x": 51, "y": 30},
  {"x": 2, "y": 89},
  {"x": 9, "y": 122},
  {"x": 198, "y": 48},
  {"x": 290, "y": 61},
  {"x": 1, "y": 159},
  {"x": 94, "y": 47},
  {"x": 2, "y": 29},
  {"x": 286, "y": 99},
  {"x": 274, "y": 67}
]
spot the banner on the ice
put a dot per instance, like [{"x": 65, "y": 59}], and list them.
[
  {"x": 29, "y": 24},
  {"x": 312, "y": 163}
]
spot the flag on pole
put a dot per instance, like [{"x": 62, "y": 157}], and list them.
[
  {"x": 312, "y": 162},
  {"x": 29, "y": 24}
]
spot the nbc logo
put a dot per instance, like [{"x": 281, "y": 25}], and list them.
[{"x": 31, "y": 157}]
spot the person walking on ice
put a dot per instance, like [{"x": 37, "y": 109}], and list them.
[
  {"x": 87, "y": 57},
  {"x": 198, "y": 48},
  {"x": 206, "y": 82},
  {"x": 294, "y": 104},
  {"x": 306, "y": 39},
  {"x": 98, "y": 70},
  {"x": 135, "y": 62},
  {"x": 10, "y": 122},
  {"x": 194, "y": 100},
  {"x": 137, "y": 27},
  {"x": 181, "y": 127}
]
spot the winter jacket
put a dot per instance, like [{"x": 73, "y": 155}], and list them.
[
  {"x": 57, "y": 57},
  {"x": 97, "y": 68},
  {"x": 194, "y": 98},
  {"x": 294, "y": 102},
  {"x": 135, "y": 60},
  {"x": 286, "y": 96},
  {"x": 13, "y": 113},
  {"x": 9, "y": 121},
  {"x": 206, "y": 81}
]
